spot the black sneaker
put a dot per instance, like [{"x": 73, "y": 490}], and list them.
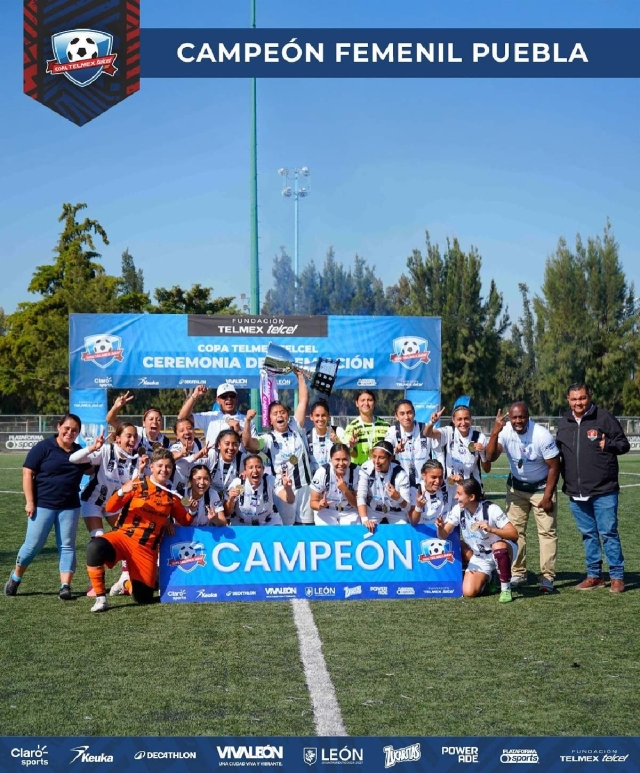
[
  {"x": 11, "y": 587},
  {"x": 64, "y": 593}
]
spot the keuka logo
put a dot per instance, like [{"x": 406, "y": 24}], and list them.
[
  {"x": 82, "y": 56},
  {"x": 82, "y": 755}
]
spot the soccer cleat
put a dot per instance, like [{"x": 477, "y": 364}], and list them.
[
  {"x": 546, "y": 586},
  {"x": 119, "y": 588},
  {"x": 11, "y": 587},
  {"x": 505, "y": 596},
  {"x": 517, "y": 580},
  {"x": 101, "y": 604},
  {"x": 64, "y": 594}
]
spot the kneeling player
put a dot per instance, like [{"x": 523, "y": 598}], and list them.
[
  {"x": 146, "y": 505},
  {"x": 489, "y": 535}
]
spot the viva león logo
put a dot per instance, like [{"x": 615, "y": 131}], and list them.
[{"x": 82, "y": 56}]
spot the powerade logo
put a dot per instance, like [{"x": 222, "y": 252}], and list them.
[
  {"x": 463, "y": 753},
  {"x": 381, "y": 590},
  {"x": 29, "y": 757},
  {"x": 82, "y": 755}
]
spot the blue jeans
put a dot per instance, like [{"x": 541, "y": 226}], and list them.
[
  {"x": 597, "y": 519},
  {"x": 39, "y": 528}
]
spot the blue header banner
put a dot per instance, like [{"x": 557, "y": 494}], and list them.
[
  {"x": 390, "y": 53},
  {"x": 125, "y": 351},
  {"x": 272, "y": 563}
]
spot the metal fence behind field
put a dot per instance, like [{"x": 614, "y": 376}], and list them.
[{"x": 42, "y": 425}]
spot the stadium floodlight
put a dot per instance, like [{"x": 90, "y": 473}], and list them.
[{"x": 295, "y": 193}]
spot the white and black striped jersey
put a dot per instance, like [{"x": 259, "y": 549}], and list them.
[
  {"x": 437, "y": 504},
  {"x": 112, "y": 468},
  {"x": 288, "y": 448},
  {"x": 144, "y": 441},
  {"x": 257, "y": 506},
  {"x": 325, "y": 482},
  {"x": 417, "y": 448},
  {"x": 460, "y": 457},
  {"x": 478, "y": 540},
  {"x": 180, "y": 477},
  {"x": 319, "y": 447},
  {"x": 223, "y": 473},
  {"x": 372, "y": 487},
  {"x": 210, "y": 498}
]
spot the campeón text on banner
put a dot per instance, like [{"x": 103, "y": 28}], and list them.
[
  {"x": 271, "y": 563},
  {"x": 390, "y": 53},
  {"x": 138, "y": 351}
]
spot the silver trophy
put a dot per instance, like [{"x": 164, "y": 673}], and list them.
[{"x": 280, "y": 361}]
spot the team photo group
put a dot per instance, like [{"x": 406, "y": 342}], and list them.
[{"x": 304, "y": 471}]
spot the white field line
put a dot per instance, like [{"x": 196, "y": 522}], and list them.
[
  {"x": 10, "y": 492},
  {"x": 327, "y": 716}
]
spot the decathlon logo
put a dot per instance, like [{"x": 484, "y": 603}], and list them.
[
  {"x": 410, "y": 351},
  {"x": 102, "y": 350},
  {"x": 29, "y": 757},
  {"x": 405, "y": 754},
  {"x": 355, "y": 591},
  {"x": 144, "y": 755},
  {"x": 82, "y": 755},
  {"x": 268, "y": 752}
]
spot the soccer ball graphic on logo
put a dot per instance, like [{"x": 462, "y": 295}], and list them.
[
  {"x": 102, "y": 345},
  {"x": 185, "y": 552},
  {"x": 80, "y": 48},
  {"x": 411, "y": 346},
  {"x": 437, "y": 547}
]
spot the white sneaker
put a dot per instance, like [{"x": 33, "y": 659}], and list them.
[
  {"x": 118, "y": 588},
  {"x": 517, "y": 581},
  {"x": 101, "y": 604}
]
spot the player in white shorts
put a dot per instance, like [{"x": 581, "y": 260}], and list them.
[
  {"x": 488, "y": 533},
  {"x": 333, "y": 489},
  {"x": 384, "y": 493},
  {"x": 205, "y": 501},
  {"x": 252, "y": 502},
  {"x": 322, "y": 436},
  {"x": 432, "y": 499}
]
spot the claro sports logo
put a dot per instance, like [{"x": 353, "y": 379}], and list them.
[{"x": 29, "y": 757}]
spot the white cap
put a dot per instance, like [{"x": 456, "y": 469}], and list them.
[{"x": 225, "y": 388}]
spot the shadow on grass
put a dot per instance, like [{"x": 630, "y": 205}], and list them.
[{"x": 567, "y": 581}]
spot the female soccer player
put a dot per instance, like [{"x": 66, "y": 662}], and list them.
[
  {"x": 432, "y": 500},
  {"x": 333, "y": 490},
  {"x": 409, "y": 439},
  {"x": 487, "y": 532},
  {"x": 205, "y": 501},
  {"x": 365, "y": 431},
  {"x": 253, "y": 502},
  {"x": 321, "y": 436},
  {"x": 383, "y": 489},
  {"x": 145, "y": 506}
]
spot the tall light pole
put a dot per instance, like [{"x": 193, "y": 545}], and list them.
[
  {"x": 295, "y": 193},
  {"x": 254, "y": 299}
]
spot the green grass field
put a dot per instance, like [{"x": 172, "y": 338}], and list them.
[{"x": 567, "y": 664}]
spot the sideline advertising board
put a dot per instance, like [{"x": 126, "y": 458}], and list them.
[{"x": 331, "y": 563}]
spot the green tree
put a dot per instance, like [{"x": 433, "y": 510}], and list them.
[
  {"x": 586, "y": 323},
  {"x": 34, "y": 352},
  {"x": 131, "y": 295},
  {"x": 281, "y": 298},
  {"x": 448, "y": 285},
  {"x": 197, "y": 300}
]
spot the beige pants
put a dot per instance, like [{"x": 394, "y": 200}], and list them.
[{"x": 519, "y": 505}]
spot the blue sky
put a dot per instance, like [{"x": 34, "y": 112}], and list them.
[{"x": 505, "y": 165}]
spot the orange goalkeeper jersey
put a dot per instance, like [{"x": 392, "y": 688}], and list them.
[{"x": 145, "y": 512}]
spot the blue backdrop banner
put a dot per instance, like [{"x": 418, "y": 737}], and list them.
[
  {"x": 271, "y": 563},
  {"x": 171, "y": 350}
]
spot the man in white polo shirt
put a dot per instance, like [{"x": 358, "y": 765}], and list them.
[
  {"x": 534, "y": 460},
  {"x": 213, "y": 422}
]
